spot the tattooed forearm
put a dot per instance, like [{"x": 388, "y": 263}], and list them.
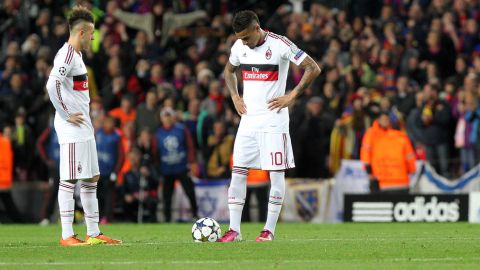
[
  {"x": 231, "y": 79},
  {"x": 311, "y": 72}
]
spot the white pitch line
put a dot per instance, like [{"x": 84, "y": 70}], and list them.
[
  {"x": 431, "y": 239},
  {"x": 441, "y": 259}
]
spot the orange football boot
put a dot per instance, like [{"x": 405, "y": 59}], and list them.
[
  {"x": 72, "y": 241},
  {"x": 102, "y": 239}
]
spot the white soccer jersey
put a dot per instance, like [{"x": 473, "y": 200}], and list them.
[
  {"x": 264, "y": 72},
  {"x": 68, "y": 90}
]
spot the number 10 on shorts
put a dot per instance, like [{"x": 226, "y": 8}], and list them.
[{"x": 277, "y": 158}]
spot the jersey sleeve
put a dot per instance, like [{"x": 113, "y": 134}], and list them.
[
  {"x": 63, "y": 63},
  {"x": 290, "y": 51},
  {"x": 58, "y": 96},
  {"x": 235, "y": 53}
]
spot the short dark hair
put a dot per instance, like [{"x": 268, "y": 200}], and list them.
[
  {"x": 244, "y": 19},
  {"x": 383, "y": 113},
  {"x": 79, "y": 14}
]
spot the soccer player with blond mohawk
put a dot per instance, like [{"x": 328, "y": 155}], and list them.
[{"x": 67, "y": 87}]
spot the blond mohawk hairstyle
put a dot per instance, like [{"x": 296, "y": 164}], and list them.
[{"x": 79, "y": 14}]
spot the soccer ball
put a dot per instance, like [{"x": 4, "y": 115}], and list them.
[{"x": 206, "y": 230}]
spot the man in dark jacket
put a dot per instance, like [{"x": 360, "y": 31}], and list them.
[
  {"x": 434, "y": 121},
  {"x": 314, "y": 139},
  {"x": 147, "y": 113}
]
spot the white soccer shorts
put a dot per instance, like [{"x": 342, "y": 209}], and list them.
[
  {"x": 78, "y": 160},
  {"x": 261, "y": 150}
]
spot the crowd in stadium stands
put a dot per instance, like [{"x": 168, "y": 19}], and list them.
[{"x": 156, "y": 63}]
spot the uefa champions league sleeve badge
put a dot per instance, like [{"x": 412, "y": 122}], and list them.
[{"x": 62, "y": 71}]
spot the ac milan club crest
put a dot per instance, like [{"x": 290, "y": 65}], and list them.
[
  {"x": 79, "y": 168},
  {"x": 268, "y": 53}
]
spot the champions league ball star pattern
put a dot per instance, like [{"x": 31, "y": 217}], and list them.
[
  {"x": 62, "y": 71},
  {"x": 206, "y": 230}
]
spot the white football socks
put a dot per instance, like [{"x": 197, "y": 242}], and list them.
[
  {"x": 67, "y": 207},
  {"x": 88, "y": 196},
  {"x": 236, "y": 196},
  {"x": 277, "y": 192}
]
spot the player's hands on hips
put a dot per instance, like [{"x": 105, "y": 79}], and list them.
[
  {"x": 76, "y": 119},
  {"x": 239, "y": 104},
  {"x": 281, "y": 102}
]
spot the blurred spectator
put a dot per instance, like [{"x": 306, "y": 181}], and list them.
[
  {"x": 114, "y": 85},
  {"x": 126, "y": 112},
  {"x": 215, "y": 98},
  {"x": 110, "y": 161},
  {"x": 140, "y": 191},
  {"x": 147, "y": 113},
  {"x": 396, "y": 118},
  {"x": 190, "y": 118},
  {"x": 347, "y": 134},
  {"x": 22, "y": 141},
  {"x": 97, "y": 112},
  {"x": 332, "y": 100},
  {"x": 404, "y": 100},
  {"x": 49, "y": 150},
  {"x": 386, "y": 75},
  {"x": 176, "y": 154},
  {"x": 204, "y": 127},
  {"x": 434, "y": 121},
  {"x": 388, "y": 157},
  {"x": 146, "y": 145},
  {"x": 11, "y": 66},
  {"x": 157, "y": 75},
  {"x": 313, "y": 141},
  {"x": 160, "y": 23},
  {"x": 361, "y": 71},
  {"x": 440, "y": 51},
  {"x": 10, "y": 212},
  {"x": 461, "y": 70},
  {"x": 470, "y": 152},
  {"x": 414, "y": 127},
  {"x": 204, "y": 77},
  {"x": 128, "y": 139},
  {"x": 16, "y": 95},
  {"x": 220, "y": 146}
]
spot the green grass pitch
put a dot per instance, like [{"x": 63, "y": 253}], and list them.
[{"x": 297, "y": 246}]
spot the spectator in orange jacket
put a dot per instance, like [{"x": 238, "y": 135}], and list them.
[
  {"x": 6, "y": 178},
  {"x": 388, "y": 156},
  {"x": 126, "y": 113}
]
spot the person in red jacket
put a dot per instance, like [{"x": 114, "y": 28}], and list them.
[{"x": 388, "y": 156}]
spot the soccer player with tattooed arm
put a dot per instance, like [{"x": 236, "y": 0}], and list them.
[
  {"x": 67, "y": 87},
  {"x": 263, "y": 140}
]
